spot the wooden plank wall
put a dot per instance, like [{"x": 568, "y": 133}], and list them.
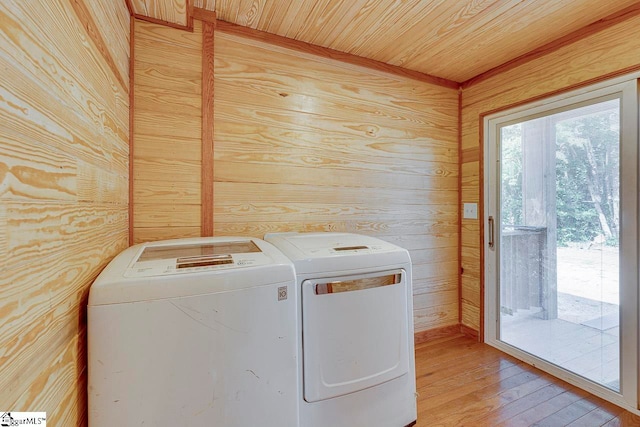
[
  {"x": 167, "y": 131},
  {"x": 302, "y": 143},
  {"x": 590, "y": 58},
  {"x": 64, "y": 123}
]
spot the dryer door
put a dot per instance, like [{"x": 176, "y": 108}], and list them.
[{"x": 355, "y": 332}]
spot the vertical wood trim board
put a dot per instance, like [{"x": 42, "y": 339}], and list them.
[
  {"x": 132, "y": 56},
  {"x": 609, "y": 52},
  {"x": 64, "y": 149},
  {"x": 207, "y": 127}
]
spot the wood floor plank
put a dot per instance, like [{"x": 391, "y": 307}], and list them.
[
  {"x": 497, "y": 369},
  {"x": 525, "y": 403},
  {"x": 625, "y": 419},
  {"x": 443, "y": 367},
  {"x": 463, "y": 411},
  {"x": 534, "y": 415},
  {"x": 444, "y": 395},
  {"x": 465, "y": 383},
  {"x": 597, "y": 417},
  {"x": 568, "y": 414}
]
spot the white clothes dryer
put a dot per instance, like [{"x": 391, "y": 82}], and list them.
[{"x": 355, "y": 330}]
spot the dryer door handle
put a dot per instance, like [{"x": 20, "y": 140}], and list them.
[{"x": 335, "y": 287}]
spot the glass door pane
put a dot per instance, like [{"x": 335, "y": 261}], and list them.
[{"x": 559, "y": 255}]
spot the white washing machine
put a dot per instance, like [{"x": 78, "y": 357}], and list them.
[
  {"x": 356, "y": 330},
  {"x": 194, "y": 332}
]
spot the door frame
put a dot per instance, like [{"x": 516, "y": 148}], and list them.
[{"x": 627, "y": 87}]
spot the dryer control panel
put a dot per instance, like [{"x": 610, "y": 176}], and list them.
[{"x": 338, "y": 244}]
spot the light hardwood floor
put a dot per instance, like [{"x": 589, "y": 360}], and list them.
[{"x": 465, "y": 383}]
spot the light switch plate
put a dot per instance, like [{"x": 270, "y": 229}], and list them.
[{"x": 470, "y": 211}]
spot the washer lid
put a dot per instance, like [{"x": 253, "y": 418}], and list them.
[
  {"x": 187, "y": 267},
  {"x": 183, "y": 258},
  {"x": 319, "y": 252}
]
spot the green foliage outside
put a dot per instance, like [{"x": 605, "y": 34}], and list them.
[
  {"x": 511, "y": 163},
  {"x": 586, "y": 174}
]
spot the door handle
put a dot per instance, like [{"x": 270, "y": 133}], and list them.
[
  {"x": 491, "y": 233},
  {"x": 357, "y": 284}
]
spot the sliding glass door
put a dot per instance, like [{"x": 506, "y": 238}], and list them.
[{"x": 562, "y": 237}]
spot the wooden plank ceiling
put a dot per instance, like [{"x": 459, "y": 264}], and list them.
[{"x": 453, "y": 39}]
